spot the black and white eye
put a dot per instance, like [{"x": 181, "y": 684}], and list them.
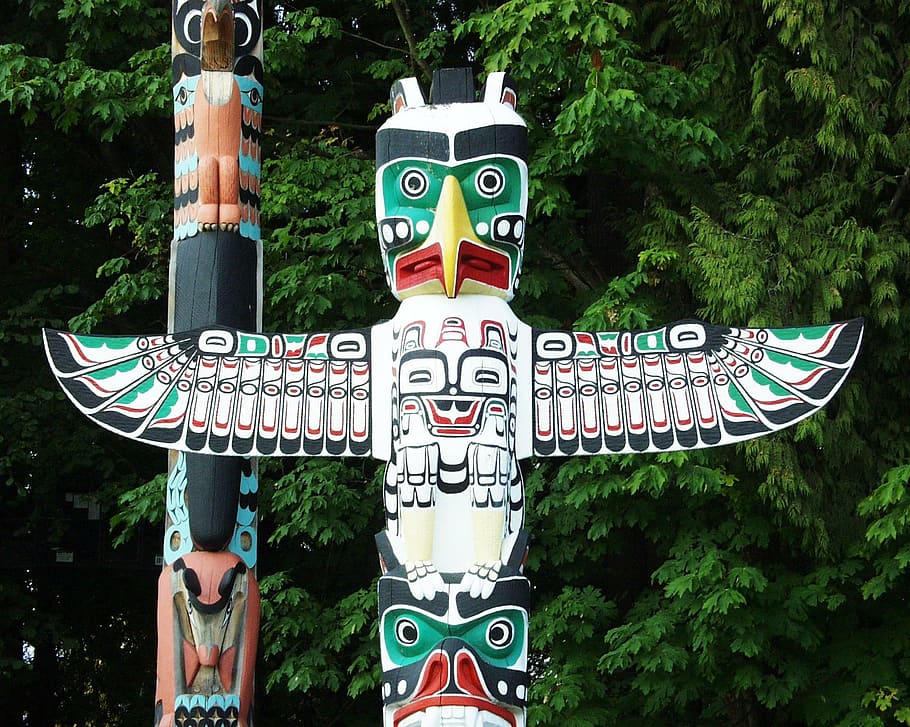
[
  {"x": 182, "y": 95},
  {"x": 687, "y": 336},
  {"x": 255, "y": 96},
  {"x": 407, "y": 632},
  {"x": 414, "y": 183},
  {"x": 188, "y": 25},
  {"x": 488, "y": 377},
  {"x": 247, "y": 26},
  {"x": 484, "y": 374},
  {"x": 420, "y": 376},
  {"x": 489, "y": 182},
  {"x": 500, "y": 633}
]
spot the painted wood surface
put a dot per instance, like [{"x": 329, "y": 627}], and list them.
[
  {"x": 474, "y": 391},
  {"x": 208, "y": 597}
]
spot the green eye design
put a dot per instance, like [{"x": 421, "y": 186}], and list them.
[
  {"x": 414, "y": 183},
  {"x": 409, "y": 635},
  {"x": 489, "y": 182},
  {"x": 406, "y": 631},
  {"x": 500, "y": 633}
]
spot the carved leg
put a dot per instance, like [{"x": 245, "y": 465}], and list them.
[
  {"x": 209, "y": 194},
  {"x": 229, "y": 186},
  {"x": 488, "y": 474},
  {"x": 416, "y": 479}
]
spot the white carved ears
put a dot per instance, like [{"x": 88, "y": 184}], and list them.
[
  {"x": 500, "y": 88},
  {"x": 405, "y": 94},
  {"x": 454, "y": 85}
]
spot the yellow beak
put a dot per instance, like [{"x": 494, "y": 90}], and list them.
[{"x": 450, "y": 226}]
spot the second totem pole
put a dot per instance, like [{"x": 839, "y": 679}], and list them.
[{"x": 208, "y": 598}]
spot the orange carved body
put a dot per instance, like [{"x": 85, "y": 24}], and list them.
[{"x": 218, "y": 146}]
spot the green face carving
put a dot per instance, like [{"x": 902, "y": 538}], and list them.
[
  {"x": 497, "y": 636},
  {"x": 489, "y": 186},
  {"x": 413, "y": 195}
]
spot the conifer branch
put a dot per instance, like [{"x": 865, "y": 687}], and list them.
[{"x": 900, "y": 192}]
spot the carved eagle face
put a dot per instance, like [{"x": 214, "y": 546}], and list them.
[
  {"x": 452, "y": 188},
  {"x": 454, "y": 660}
]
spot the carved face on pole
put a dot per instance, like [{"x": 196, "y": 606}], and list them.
[
  {"x": 452, "y": 188},
  {"x": 456, "y": 659}
]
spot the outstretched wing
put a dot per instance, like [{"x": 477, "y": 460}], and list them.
[
  {"x": 684, "y": 386},
  {"x": 220, "y": 391}
]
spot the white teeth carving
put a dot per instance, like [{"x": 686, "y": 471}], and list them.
[
  {"x": 485, "y": 719},
  {"x": 414, "y": 720},
  {"x": 453, "y": 716}
]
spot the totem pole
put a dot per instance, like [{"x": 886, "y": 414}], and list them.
[
  {"x": 208, "y": 598},
  {"x": 473, "y": 390}
]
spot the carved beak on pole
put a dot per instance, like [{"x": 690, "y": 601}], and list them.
[
  {"x": 451, "y": 226},
  {"x": 469, "y": 265},
  {"x": 217, "y": 51}
]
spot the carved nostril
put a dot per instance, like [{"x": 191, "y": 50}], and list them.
[
  {"x": 467, "y": 676},
  {"x": 435, "y": 677}
]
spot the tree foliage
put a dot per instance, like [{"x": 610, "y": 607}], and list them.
[{"x": 748, "y": 163}]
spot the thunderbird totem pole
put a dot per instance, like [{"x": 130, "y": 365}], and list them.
[{"x": 473, "y": 390}]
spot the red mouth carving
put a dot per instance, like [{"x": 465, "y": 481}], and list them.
[
  {"x": 483, "y": 265},
  {"x": 453, "y": 417},
  {"x": 435, "y": 678},
  {"x": 475, "y": 262},
  {"x": 453, "y": 700},
  {"x": 418, "y": 267}
]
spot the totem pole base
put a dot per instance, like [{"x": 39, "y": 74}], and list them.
[
  {"x": 208, "y": 624},
  {"x": 457, "y": 659}
]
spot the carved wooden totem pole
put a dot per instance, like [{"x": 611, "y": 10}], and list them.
[
  {"x": 452, "y": 392},
  {"x": 208, "y": 599}
]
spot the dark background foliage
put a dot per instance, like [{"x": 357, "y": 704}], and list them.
[{"x": 747, "y": 163}]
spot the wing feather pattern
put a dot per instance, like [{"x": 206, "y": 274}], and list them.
[
  {"x": 220, "y": 391},
  {"x": 684, "y": 386},
  {"x": 250, "y": 159},
  {"x": 186, "y": 157}
]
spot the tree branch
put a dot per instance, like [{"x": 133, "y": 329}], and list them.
[
  {"x": 900, "y": 192},
  {"x": 572, "y": 274},
  {"x": 374, "y": 42},
  {"x": 291, "y": 121},
  {"x": 404, "y": 16}
]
